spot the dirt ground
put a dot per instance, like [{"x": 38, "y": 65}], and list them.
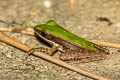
[{"x": 81, "y": 17}]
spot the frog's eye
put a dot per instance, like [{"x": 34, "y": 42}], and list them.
[{"x": 43, "y": 33}]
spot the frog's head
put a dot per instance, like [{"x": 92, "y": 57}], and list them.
[
  {"x": 46, "y": 28},
  {"x": 51, "y": 28}
]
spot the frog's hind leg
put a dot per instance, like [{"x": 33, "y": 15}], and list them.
[{"x": 82, "y": 57}]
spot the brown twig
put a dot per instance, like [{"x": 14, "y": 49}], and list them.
[
  {"x": 21, "y": 46},
  {"x": 102, "y": 43},
  {"x": 12, "y": 42},
  {"x": 3, "y": 29}
]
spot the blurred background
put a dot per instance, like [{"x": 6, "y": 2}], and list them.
[{"x": 91, "y": 19}]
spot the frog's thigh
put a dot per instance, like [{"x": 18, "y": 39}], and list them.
[{"x": 80, "y": 57}]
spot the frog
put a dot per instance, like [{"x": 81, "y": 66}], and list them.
[{"x": 72, "y": 47}]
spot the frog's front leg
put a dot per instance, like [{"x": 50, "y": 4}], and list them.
[{"x": 49, "y": 51}]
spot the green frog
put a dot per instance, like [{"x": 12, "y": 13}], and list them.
[{"x": 71, "y": 46}]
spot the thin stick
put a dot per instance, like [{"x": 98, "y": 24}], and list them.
[
  {"x": 104, "y": 43},
  {"x": 21, "y": 46},
  {"x": 10, "y": 41},
  {"x": 16, "y": 31},
  {"x": 98, "y": 42}
]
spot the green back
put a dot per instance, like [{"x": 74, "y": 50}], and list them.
[{"x": 54, "y": 29}]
